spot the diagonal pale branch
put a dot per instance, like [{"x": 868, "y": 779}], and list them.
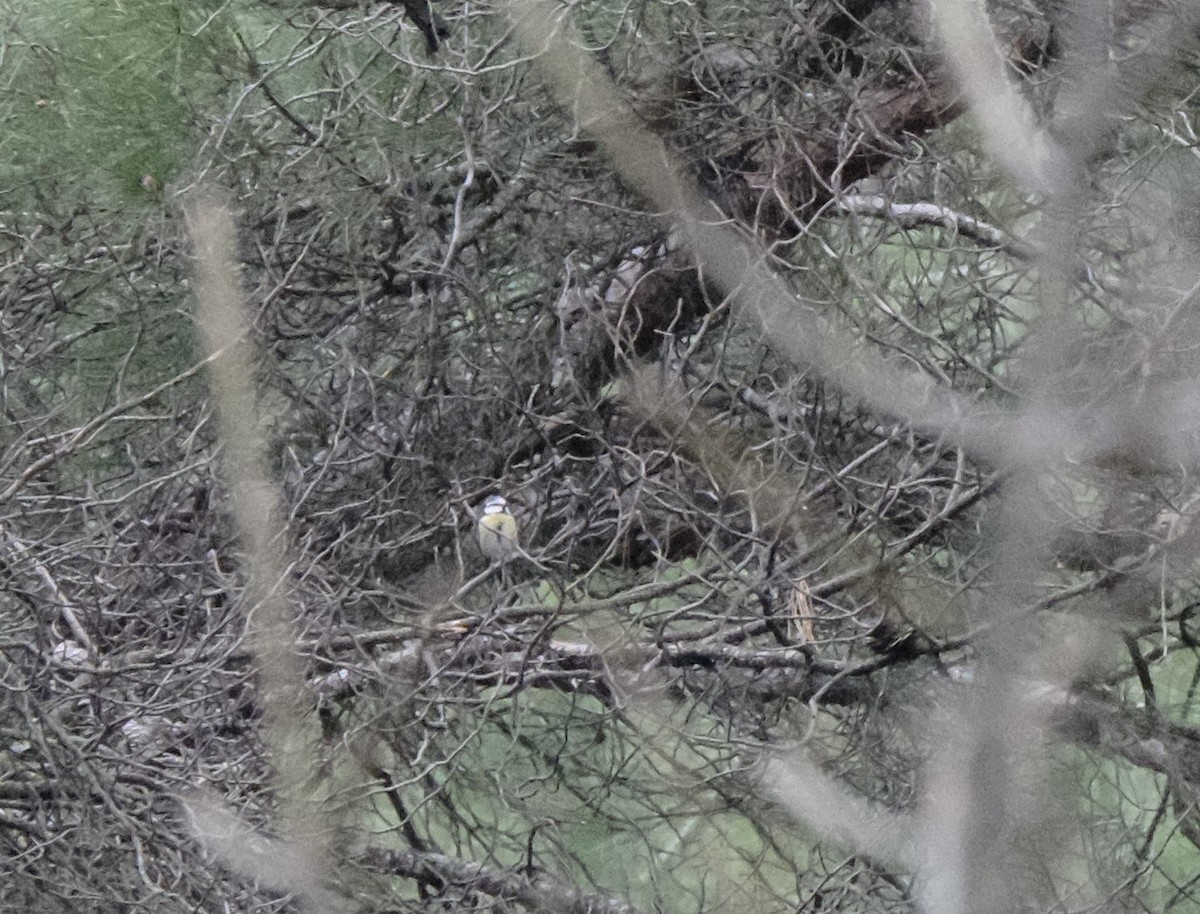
[
  {"x": 797, "y": 328},
  {"x": 1011, "y": 131},
  {"x": 282, "y": 865},
  {"x": 817, "y": 338},
  {"x": 839, "y": 815},
  {"x": 257, "y": 508},
  {"x": 909, "y": 215}
]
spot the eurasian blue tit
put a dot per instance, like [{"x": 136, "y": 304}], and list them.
[{"x": 498, "y": 530}]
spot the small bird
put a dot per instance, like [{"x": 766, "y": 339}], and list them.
[{"x": 498, "y": 530}]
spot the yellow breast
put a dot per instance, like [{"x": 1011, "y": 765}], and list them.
[{"x": 498, "y": 536}]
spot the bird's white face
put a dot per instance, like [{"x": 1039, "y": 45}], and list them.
[{"x": 497, "y": 530}]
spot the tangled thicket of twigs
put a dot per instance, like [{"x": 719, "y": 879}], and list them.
[{"x": 853, "y": 465}]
